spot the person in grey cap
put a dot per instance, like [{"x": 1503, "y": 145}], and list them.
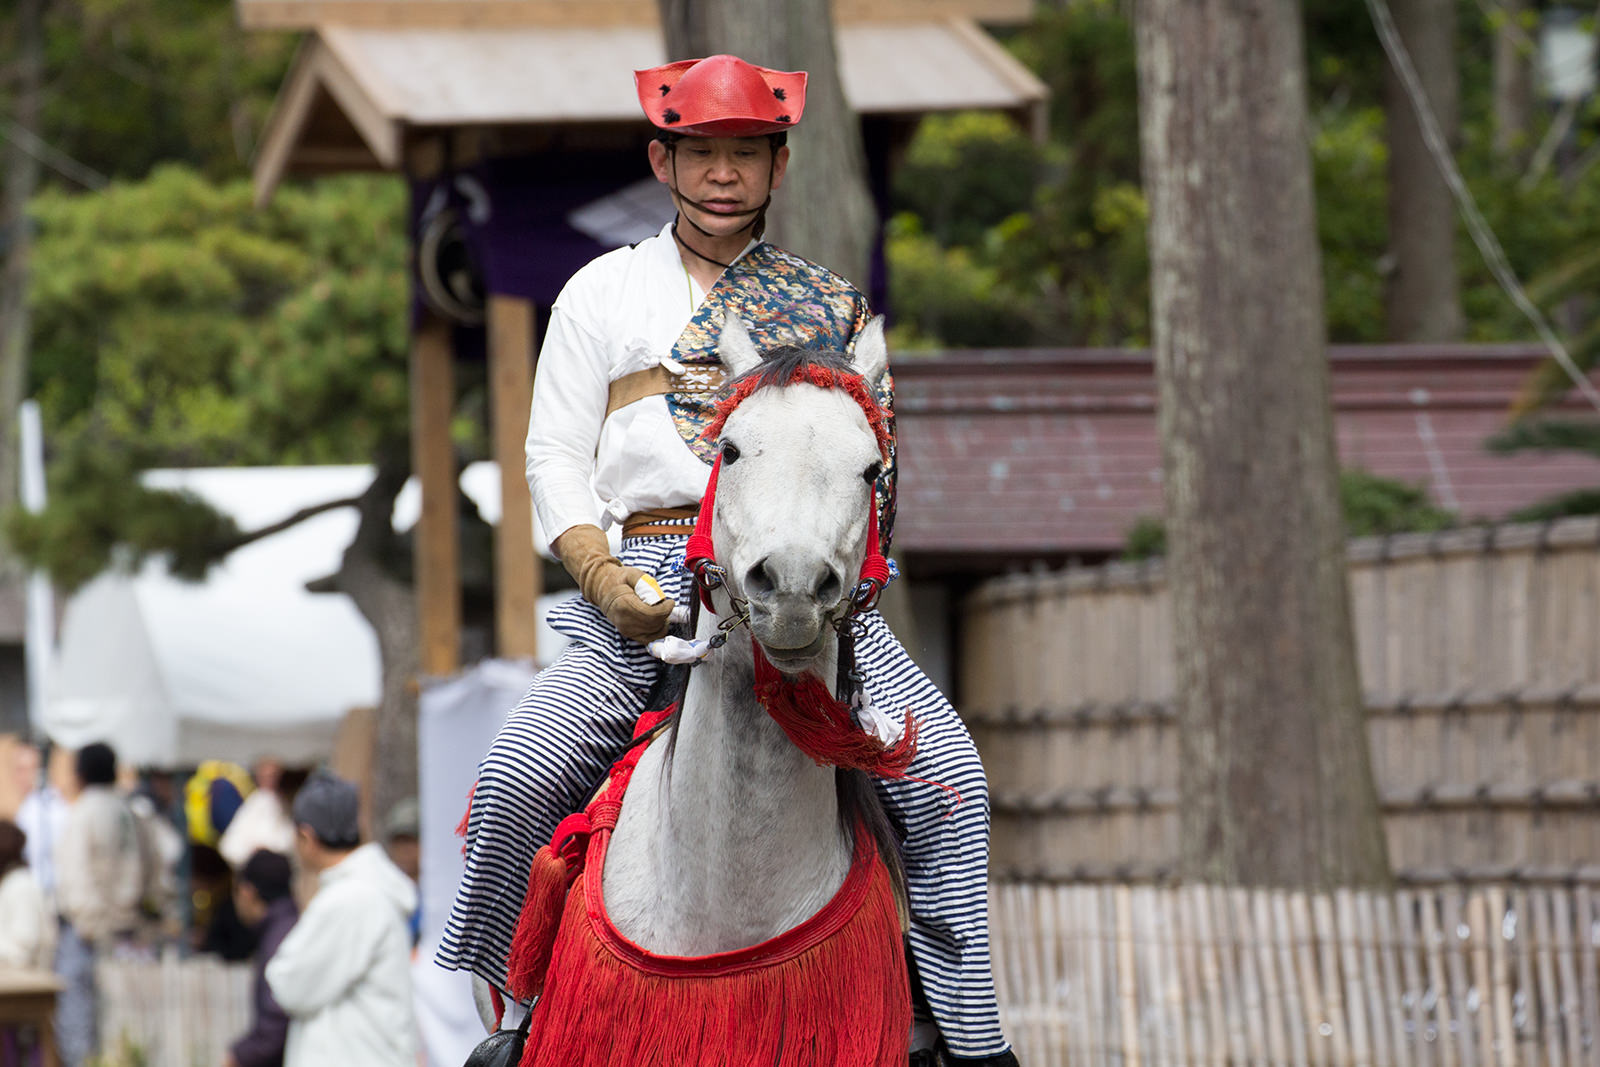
[{"x": 343, "y": 974}]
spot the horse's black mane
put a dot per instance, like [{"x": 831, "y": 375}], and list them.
[{"x": 779, "y": 364}]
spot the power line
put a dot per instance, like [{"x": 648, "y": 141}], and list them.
[
  {"x": 54, "y": 158},
  {"x": 1494, "y": 256}
]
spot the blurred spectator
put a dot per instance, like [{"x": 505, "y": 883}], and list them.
[
  {"x": 163, "y": 853},
  {"x": 401, "y": 837},
  {"x": 217, "y": 927},
  {"x": 100, "y": 881},
  {"x": 343, "y": 974},
  {"x": 27, "y": 924},
  {"x": 402, "y": 840},
  {"x": 262, "y": 821},
  {"x": 263, "y": 900},
  {"x": 42, "y": 817},
  {"x": 212, "y": 797}
]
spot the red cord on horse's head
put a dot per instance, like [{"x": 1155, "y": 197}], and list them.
[{"x": 788, "y": 365}]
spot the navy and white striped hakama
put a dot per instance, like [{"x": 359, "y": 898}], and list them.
[{"x": 556, "y": 746}]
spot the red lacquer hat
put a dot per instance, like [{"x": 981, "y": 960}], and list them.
[{"x": 721, "y": 96}]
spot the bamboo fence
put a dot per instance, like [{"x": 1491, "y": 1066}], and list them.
[
  {"x": 172, "y": 1011},
  {"x": 1480, "y": 654},
  {"x": 1450, "y": 976}
]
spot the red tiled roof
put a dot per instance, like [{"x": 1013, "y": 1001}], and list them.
[{"x": 1055, "y": 451}]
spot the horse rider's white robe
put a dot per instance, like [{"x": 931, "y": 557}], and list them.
[{"x": 621, "y": 313}]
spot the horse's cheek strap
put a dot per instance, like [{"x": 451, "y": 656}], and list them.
[{"x": 700, "y": 551}]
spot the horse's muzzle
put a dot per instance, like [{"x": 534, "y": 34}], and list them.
[{"x": 791, "y": 641}]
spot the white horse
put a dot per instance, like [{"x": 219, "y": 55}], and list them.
[{"x": 729, "y": 835}]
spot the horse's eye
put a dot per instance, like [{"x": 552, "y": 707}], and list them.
[
  {"x": 730, "y": 452},
  {"x": 870, "y": 475}
]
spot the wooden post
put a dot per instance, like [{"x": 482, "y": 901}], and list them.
[
  {"x": 438, "y": 564},
  {"x": 517, "y": 573}
]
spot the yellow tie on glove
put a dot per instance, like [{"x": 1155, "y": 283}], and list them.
[{"x": 609, "y": 585}]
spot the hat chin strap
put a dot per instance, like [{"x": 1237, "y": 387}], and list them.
[
  {"x": 691, "y": 249},
  {"x": 758, "y": 215},
  {"x": 700, "y": 204}
]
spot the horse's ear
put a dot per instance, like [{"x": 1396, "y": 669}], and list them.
[
  {"x": 872, "y": 352},
  {"x": 735, "y": 348}
]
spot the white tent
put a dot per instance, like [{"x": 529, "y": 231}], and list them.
[
  {"x": 243, "y": 664},
  {"x": 246, "y": 663}
]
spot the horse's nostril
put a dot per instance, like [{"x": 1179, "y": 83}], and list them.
[
  {"x": 758, "y": 582},
  {"x": 831, "y": 589}
]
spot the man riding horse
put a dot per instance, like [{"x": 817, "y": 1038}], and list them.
[{"x": 628, "y": 375}]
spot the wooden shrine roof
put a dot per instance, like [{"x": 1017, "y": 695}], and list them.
[
  {"x": 355, "y": 92},
  {"x": 1026, "y": 453},
  {"x": 465, "y": 14}
]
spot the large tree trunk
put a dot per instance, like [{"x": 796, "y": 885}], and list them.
[
  {"x": 1513, "y": 85},
  {"x": 1276, "y": 783},
  {"x": 1422, "y": 295},
  {"x": 21, "y": 178},
  {"x": 824, "y": 210},
  {"x": 389, "y": 604}
]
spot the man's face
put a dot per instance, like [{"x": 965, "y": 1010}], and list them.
[
  {"x": 307, "y": 848},
  {"x": 268, "y": 774},
  {"x": 27, "y": 768},
  {"x": 720, "y": 182}
]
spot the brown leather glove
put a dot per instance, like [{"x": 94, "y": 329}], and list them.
[{"x": 608, "y": 585}]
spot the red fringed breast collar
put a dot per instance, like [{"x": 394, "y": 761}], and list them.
[{"x": 833, "y": 990}]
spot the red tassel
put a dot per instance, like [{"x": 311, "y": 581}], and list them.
[
  {"x": 821, "y": 725},
  {"x": 466, "y": 819},
  {"x": 536, "y": 927}
]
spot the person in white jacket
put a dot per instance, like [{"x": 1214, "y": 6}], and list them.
[
  {"x": 100, "y": 880},
  {"x": 27, "y": 923},
  {"x": 343, "y": 974}
]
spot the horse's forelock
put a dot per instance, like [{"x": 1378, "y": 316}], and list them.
[
  {"x": 784, "y": 364},
  {"x": 790, "y": 365}
]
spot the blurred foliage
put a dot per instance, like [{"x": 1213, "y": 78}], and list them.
[
  {"x": 129, "y": 84},
  {"x": 1000, "y": 241},
  {"x": 1048, "y": 240},
  {"x": 1348, "y": 160},
  {"x": 1373, "y": 505},
  {"x": 966, "y": 173},
  {"x": 1544, "y": 433},
  {"x": 176, "y": 324},
  {"x": 1147, "y": 538}
]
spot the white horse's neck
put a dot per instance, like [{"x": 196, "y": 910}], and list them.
[{"x": 739, "y": 838}]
